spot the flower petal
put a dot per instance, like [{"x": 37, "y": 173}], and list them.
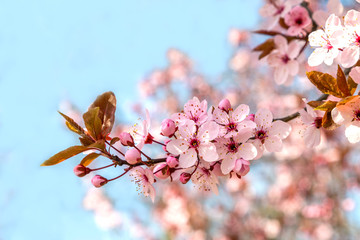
[
  {"x": 247, "y": 151},
  {"x": 280, "y": 129},
  {"x": 188, "y": 159},
  {"x": 208, "y": 131},
  {"x": 263, "y": 118},
  {"x": 312, "y": 136},
  {"x": 208, "y": 152},
  {"x": 227, "y": 165},
  {"x": 273, "y": 144},
  {"x": 188, "y": 129},
  {"x": 177, "y": 146}
]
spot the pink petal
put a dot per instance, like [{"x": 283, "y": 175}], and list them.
[
  {"x": 188, "y": 159},
  {"x": 263, "y": 118},
  {"x": 208, "y": 152},
  {"x": 349, "y": 56},
  {"x": 355, "y": 74},
  {"x": 259, "y": 148},
  {"x": 293, "y": 67},
  {"x": 273, "y": 144},
  {"x": 281, "y": 74},
  {"x": 220, "y": 116},
  {"x": 312, "y": 136},
  {"x": 240, "y": 113},
  {"x": 247, "y": 151},
  {"x": 281, "y": 43},
  {"x": 294, "y": 49},
  {"x": 208, "y": 131},
  {"x": 280, "y": 129},
  {"x": 188, "y": 129},
  {"x": 306, "y": 117},
  {"x": 352, "y": 18},
  {"x": 227, "y": 165},
  {"x": 352, "y": 132},
  {"x": 177, "y": 146}
]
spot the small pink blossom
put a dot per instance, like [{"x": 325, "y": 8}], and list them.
[
  {"x": 193, "y": 110},
  {"x": 225, "y": 105},
  {"x": 242, "y": 167},
  {"x": 205, "y": 179},
  {"x": 283, "y": 59},
  {"x": 99, "y": 181},
  {"x": 313, "y": 120},
  {"x": 192, "y": 143},
  {"x": 144, "y": 178},
  {"x": 233, "y": 121},
  {"x": 349, "y": 115},
  {"x": 172, "y": 161},
  {"x": 184, "y": 177},
  {"x": 140, "y": 133},
  {"x": 168, "y": 127},
  {"x": 126, "y": 139},
  {"x": 297, "y": 19},
  {"x": 81, "y": 170},
  {"x": 327, "y": 41},
  {"x": 268, "y": 133}
]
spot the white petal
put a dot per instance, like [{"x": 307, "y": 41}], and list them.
[
  {"x": 263, "y": 118},
  {"x": 227, "y": 165},
  {"x": 352, "y": 132},
  {"x": 273, "y": 144},
  {"x": 349, "y": 56},
  {"x": 187, "y": 129},
  {"x": 280, "y": 129},
  {"x": 281, "y": 74},
  {"x": 306, "y": 117},
  {"x": 338, "y": 117},
  {"x": 317, "y": 38},
  {"x": 247, "y": 151},
  {"x": 352, "y": 18},
  {"x": 188, "y": 159},
  {"x": 177, "y": 146},
  {"x": 220, "y": 116},
  {"x": 208, "y": 152},
  {"x": 317, "y": 57}
]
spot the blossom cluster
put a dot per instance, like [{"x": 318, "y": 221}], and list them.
[{"x": 337, "y": 41}]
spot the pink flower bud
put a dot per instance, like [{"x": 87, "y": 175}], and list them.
[
  {"x": 99, "y": 181},
  {"x": 242, "y": 167},
  {"x": 161, "y": 171},
  {"x": 80, "y": 170},
  {"x": 172, "y": 161},
  {"x": 168, "y": 127},
  {"x": 133, "y": 156},
  {"x": 185, "y": 177},
  {"x": 126, "y": 139},
  {"x": 250, "y": 117},
  {"x": 225, "y": 105}
]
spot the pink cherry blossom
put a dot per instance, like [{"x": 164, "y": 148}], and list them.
[
  {"x": 140, "y": 133},
  {"x": 242, "y": 167},
  {"x": 283, "y": 59},
  {"x": 333, "y": 7},
  {"x": 277, "y": 9},
  {"x": 327, "y": 41},
  {"x": 144, "y": 178},
  {"x": 193, "y": 110},
  {"x": 192, "y": 143},
  {"x": 297, "y": 19},
  {"x": 231, "y": 149},
  {"x": 313, "y": 120},
  {"x": 205, "y": 179},
  {"x": 351, "y": 52},
  {"x": 268, "y": 133},
  {"x": 349, "y": 115},
  {"x": 233, "y": 122}
]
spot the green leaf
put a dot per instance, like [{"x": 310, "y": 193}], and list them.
[
  {"x": 328, "y": 105},
  {"x": 106, "y": 103},
  {"x": 72, "y": 125},
  {"x": 265, "y": 48},
  {"x": 63, "y": 155},
  {"x": 93, "y": 122},
  {"x": 341, "y": 82},
  {"x": 325, "y": 83},
  {"x": 89, "y": 158}
]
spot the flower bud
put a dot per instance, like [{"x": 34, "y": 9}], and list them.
[
  {"x": 250, "y": 117},
  {"x": 225, "y": 105},
  {"x": 168, "y": 127},
  {"x": 80, "y": 170},
  {"x": 161, "y": 171},
  {"x": 185, "y": 177},
  {"x": 133, "y": 156},
  {"x": 99, "y": 181},
  {"x": 172, "y": 161},
  {"x": 242, "y": 167},
  {"x": 126, "y": 139}
]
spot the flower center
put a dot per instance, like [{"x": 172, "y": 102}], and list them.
[
  {"x": 231, "y": 126},
  {"x": 318, "y": 122},
  {"x": 232, "y": 147},
  {"x": 194, "y": 143},
  {"x": 260, "y": 134},
  {"x": 299, "y": 21},
  {"x": 285, "y": 59},
  {"x": 357, "y": 115}
]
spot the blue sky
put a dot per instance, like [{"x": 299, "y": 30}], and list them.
[{"x": 75, "y": 50}]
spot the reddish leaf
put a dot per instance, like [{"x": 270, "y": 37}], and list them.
[
  {"x": 341, "y": 82},
  {"x": 114, "y": 140},
  {"x": 265, "y": 48},
  {"x": 93, "y": 122},
  {"x": 89, "y": 158},
  {"x": 327, "y": 106},
  {"x": 352, "y": 85},
  {"x": 63, "y": 155},
  {"x": 325, "y": 83}
]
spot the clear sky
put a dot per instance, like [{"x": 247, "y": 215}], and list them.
[{"x": 56, "y": 50}]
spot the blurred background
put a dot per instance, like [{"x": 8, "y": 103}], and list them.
[{"x": 59, "y": 55}]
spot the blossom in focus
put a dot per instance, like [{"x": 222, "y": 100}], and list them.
[
  {"x": 144, "y": 178},
  {"x": 350, "y": 54},
  {"x": 269, "y": 134},
  {"x": 193, "y": 110},
  {"x": 140, "y": 133},
  {"x": 313, "y": 120},
  {"x": 349, "y": 115},
  {"x": 192, "y": 142},
  {"x": 327, "y": 42},
  {"x": 283, "y": 59},
  {"x": 277, "y": 9},
  {"x": 205, "y": 179},
  {"x": 233, "y": 121},
  {"x": 297, "y": 19}
]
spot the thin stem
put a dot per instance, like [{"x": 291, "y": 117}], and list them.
[
  {"x": 114, "y": 148},
  {"x": 126, "y": 171},
  {"x": 95, "y": 169},
  {"x": 158, "y": 142},
  {"x": 149, "y": 158}
]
